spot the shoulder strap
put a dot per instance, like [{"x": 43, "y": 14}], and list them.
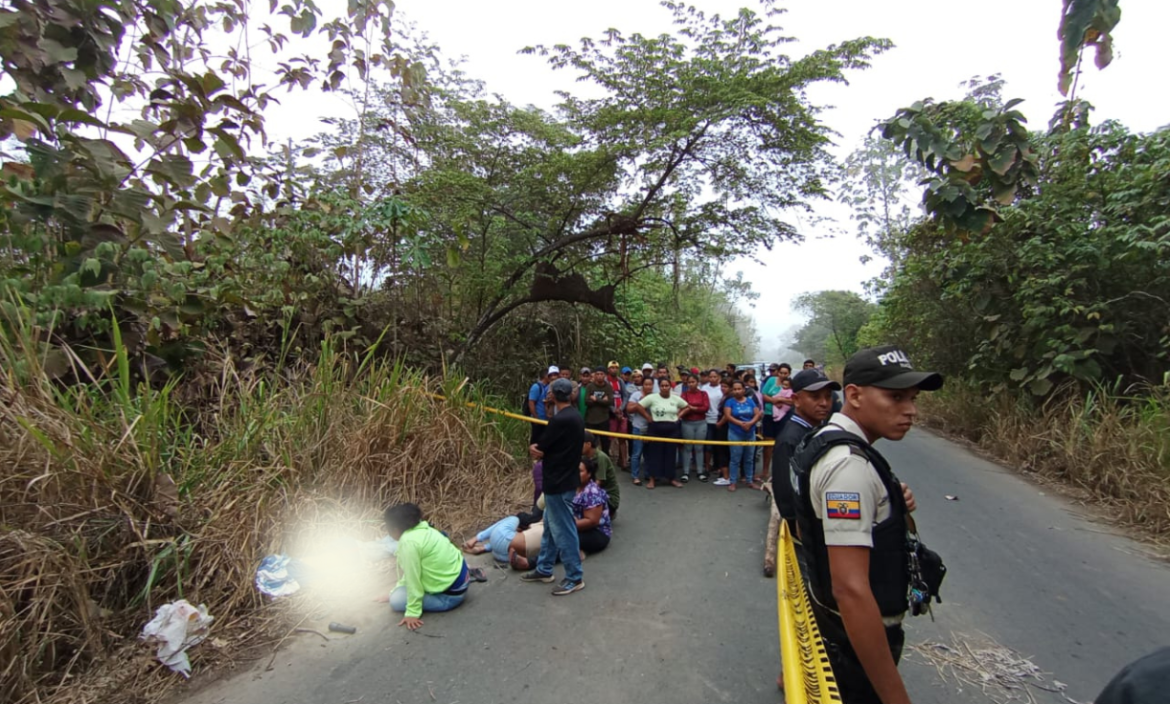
[{"x": 820, "y": 443}]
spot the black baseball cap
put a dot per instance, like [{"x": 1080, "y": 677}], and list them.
[
  {"x": 888, "y": 367},
  {"x": 813, "y": 380},
  {"x": 562, "y": 389}
]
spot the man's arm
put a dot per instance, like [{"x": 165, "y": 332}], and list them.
[
  {"x": 592, "y": 400},
  {"x": 849, "y": 569},
  {"x": 552, "y": 432},
  {"x": 410, "y": 563}
]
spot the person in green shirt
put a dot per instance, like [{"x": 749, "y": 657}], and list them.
[
  {"x": 606, "y": 472},
  {"x": 434, "y": 574}
]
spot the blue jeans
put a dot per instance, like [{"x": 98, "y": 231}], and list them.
[
  {"x": 431, "y": 602},
  {"x": 742, "y": 455},
  {"x": 693, "y": 454},
  {"x": 560, "y": 537},
  {"x": 636, "y": 453}
]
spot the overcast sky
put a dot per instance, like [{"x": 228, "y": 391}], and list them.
[{"x": 939, "y": 43}]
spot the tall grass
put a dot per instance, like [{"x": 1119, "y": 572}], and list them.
[
  {"x": 117, "y": 495},
  {"x": 1113, "y": 443}
]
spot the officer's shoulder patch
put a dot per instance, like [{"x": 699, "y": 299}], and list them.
[{"x": 842, "y": 504}]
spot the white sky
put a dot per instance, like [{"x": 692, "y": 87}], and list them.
[{"x": 939, "y": 43}]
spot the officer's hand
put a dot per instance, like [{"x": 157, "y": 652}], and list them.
[{"x": 909, "y": 496}]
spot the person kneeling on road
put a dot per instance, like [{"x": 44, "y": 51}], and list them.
[
  {"x": 606, "y": 472},
  {"x": 591, "y": 511},
  {"x": 854, "y": 525},
  {"x": 434, "y": 574}
]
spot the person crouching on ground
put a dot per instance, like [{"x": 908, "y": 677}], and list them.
[
  {"x": 591, "y": 511},
  {"x": 434, "y": 573},
  {"x": 606, "y": 475}
]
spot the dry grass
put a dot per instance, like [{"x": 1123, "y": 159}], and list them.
[
  {"x": 999, "y": 673},
  {"x": 115, "y": 498},
  {"x": 1114, "y": 446}
]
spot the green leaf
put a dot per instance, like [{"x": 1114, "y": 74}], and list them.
[
  {"x": 55, "y": 52},
  {"x": 1040, "y": 387},
  {"x": 1085, "y": 23},
  {"x": 1002, "y": 160}
]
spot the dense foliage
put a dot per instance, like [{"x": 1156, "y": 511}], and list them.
[
  {"x": 135, "y": 182},
  {"x": 835, "y": 321},
  {"x": 1072, "y": 282}
]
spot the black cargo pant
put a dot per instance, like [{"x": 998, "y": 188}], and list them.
[{"x": 847, "y": 670}]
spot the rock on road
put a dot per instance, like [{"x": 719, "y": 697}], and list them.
[{"x": 677, "y": 609}]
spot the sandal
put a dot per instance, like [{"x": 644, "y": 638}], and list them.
[
  {"x": 476, "y": 574},
  {"x": 676, "y": 484},
  {"x": 637, "y": 482},
  {"x": 703, "y": 478},
  {"x": 685, "y": 478},
  {"x": 731, "y": 487}
]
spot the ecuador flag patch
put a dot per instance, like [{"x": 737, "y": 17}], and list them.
[{"x": 843, "y": 505}]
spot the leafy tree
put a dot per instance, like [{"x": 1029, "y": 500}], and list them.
[
  {"x": 978, "y": 153},
  {"x": 133, "y": 186},
  {"x": 835, "y": 319},
  {"x": 876, "y": 183},
  {"x": 699, "y": 141},
  {"x": 1072, "y": 283}
]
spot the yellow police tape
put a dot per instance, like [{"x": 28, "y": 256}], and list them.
[
  {"x": 808, "y": 677},
  {"x": 643, "y": 438}
]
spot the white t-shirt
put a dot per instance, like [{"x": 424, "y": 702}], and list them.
[
  {"x": 638, "y": 419},
  {"x": 715, "y": 395}
]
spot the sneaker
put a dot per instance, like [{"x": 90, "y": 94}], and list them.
[
  {"x": 685, "y": 478},
  {"x": 722, "y": 482},
  {"x": 703, "y": 477},
  {"x": 537, "y": 576},
  {"x": 568, "y": 587}
]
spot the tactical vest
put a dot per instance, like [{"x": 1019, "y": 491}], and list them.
[{"x": 889, "y": 576}]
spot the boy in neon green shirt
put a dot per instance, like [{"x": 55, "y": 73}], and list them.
[{"x": 434, "y": 573}]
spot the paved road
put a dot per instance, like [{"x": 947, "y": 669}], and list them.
[{"x": 678, "y": 610}]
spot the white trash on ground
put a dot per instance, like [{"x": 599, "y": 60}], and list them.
[{"x": 176, "y": 627}]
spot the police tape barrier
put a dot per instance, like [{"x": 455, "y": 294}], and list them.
[
  {"x": 808, "y": 677},
  {"x": 607, "y": 433}
]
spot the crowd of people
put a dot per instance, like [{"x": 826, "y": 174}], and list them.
[
  {"x": 863, "y": 565},
  {"x": 700, "y": 406}
]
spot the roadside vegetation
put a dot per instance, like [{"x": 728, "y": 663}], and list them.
[
  {"x": 1036, "y": 276},
  {"x": 208, "y": 340},
  {"x": 119, "y": 496}
]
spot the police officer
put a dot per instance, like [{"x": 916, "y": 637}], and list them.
[
  {"x": 852, "y": 514},
  {"x": 812, "y": 399}
]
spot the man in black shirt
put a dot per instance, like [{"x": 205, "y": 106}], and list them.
[{"x": 560, "y": 449}]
